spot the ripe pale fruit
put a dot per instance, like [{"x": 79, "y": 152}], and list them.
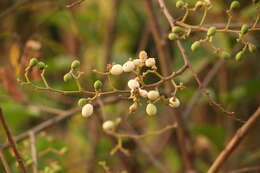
[
  {"x": 87, "y": 110},
  {"x": 108, "y": 125},
  {"x": 174, "y": 102},
  {"x": 150, "y": 62},
  {"x": 116, "y": 69},
  {"x": 153, "y": 95},
  {"x": 128, "y": 66},
  {"x": 133, "y": 84},
  {"x": 143, "y": 93},
  {"x": 151, "y": 109},
  {"x": 143, "y": 55}
]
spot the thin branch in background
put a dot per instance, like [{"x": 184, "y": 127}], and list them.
[
  {"x": 4, "y": 161},
  {"x": 234, "y": 142},
  {"x": 246, "y": 170},
  {"x": 33, "y": 152},
  {"x": 74, "y": 4},
  {"x": 162, "y": 49},
  {"x": 12, "y": 142},
  {"x": 111, "y": 32}
]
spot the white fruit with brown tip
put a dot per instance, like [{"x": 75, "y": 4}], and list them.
[
  {"x": 87, "y": 110},
  {"x": 143, "y": 93},
  {"x": 150, "y": 62},
  {"x": 174, "y": 102}
]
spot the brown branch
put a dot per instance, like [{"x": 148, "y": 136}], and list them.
[
  {"x": 234, "y": 142},
  {"x": 249, "y": 169},
  {"x": 12, "y": 142},
  {"x": 182, "y": 133},
  {"x": 73, "y": 4}
]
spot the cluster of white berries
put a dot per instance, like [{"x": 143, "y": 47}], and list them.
[
  {"x": 131, "y": 65},
  {"x": 135, "y": 86}
]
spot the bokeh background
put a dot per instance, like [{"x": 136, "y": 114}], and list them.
[{"x": 105, "y": 31}]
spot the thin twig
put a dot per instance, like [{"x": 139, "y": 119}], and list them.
[
  {"x": 12, "y": 143},
  {"x": 73, "y": 4},
  {"x": 33, "y": 152},
  {"x": 234, "y": 142}
]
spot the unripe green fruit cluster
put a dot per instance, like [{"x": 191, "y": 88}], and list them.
[
  {"x": 234, "y": 4},
  {"x": 239, "y": 55},
  {"x": 67, "y": 77},
  {"x": 174, "y": 35},
  {"x": 244, "y": 29},
  {"x": 82, "y": 102},
  {"x": 98, "y": 84},
  {"x": 33, "y": 62},
  {"x": 195, "y": 45},
  {"x": 211, "y": 31},
  {"x": 75, "y": 64},
  {"x": 41, "y": 65},
  {"x": 180, "y": 4}
]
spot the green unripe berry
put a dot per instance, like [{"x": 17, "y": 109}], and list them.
[
  {"x": 180, "y": 4},
  {"x": 239, "y": 55},
  {"x": 41, "y": 65},
  {"x": 244, "y": 29},
  {"x": 211, "y": 31},
  {"x": 195, "y": 45},
  {"x": 98, "y": 84},
  {"x": 225, "y": 55},
  {"x": 251, "y": 48},
  {"x": 82, "y": 102},
  {"x": 75, "y": 64},
  {"x": 67, "y": 77},
  {"x": 177, "y": 29},
  {"x": 234, "y": 4},
  {"x": 173, "y": 36},
  {"x": 33, "y": 62}
]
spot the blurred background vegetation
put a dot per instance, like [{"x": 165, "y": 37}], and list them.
[{"x": 98, "y": 32}]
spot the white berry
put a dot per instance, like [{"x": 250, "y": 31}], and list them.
[
  {"x": 133, "y": 84},
  {"x": 143, "y": 93},
  {"x": 128, "y": 66},
  {"x": 87, "y": 110},
  {"x": 174, "y": 102},
  {"x": 116, "y": 69},
  {"x": 143, "y": 55},
  {"x": 150, "y": 62},
  {"x": 138, "y": 62},
  {"x": 108, "y": 125},
  {"x": 153, "y": 95},
  {"x": 151, "y": 109}
]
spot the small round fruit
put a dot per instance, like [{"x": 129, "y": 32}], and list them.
[
  {"x": 143, "y": 55},
  {"x": 151, "y": 109},
  {"x": 244, "y": 29},
  {"x": 116, "y": 69},
  {"x": 239, "y": 55},
  {"x": 98, "y": 84},
  {"x": 153, "y": 95},
  {"x": 174, "y": 102},
  {"x": 234, "y": 4},
  {"x": 75, "y": 64},
  {"x": 143, "y": 93},
  {"x": 41, "y": 65},
  {"x": 138, "y": 62},
  {"x": 211, "y": 31},
  {"x": 195, "y": 45},
  {"x": 180, "y": 4},
  {"x": 87, "y": 110},
  {"x": 173, "y": 36},
  {"x": 82, "y": 102},
  {"x": 150, "y": 62},
  {"x": 67, "y": 77},
  {"x": 133, "y": 84},
  {"x": 128, "y": 66},
  {"x": 225, "y": 55},
  {"x": 108, "y": 125},
  {"x": 177, "y": 29},
  {"x": 33, "y": 62}
]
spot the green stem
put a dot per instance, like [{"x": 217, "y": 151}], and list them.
[
  {"x": 204, "y": 16},
  {"x": 43, "y": 79}
]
